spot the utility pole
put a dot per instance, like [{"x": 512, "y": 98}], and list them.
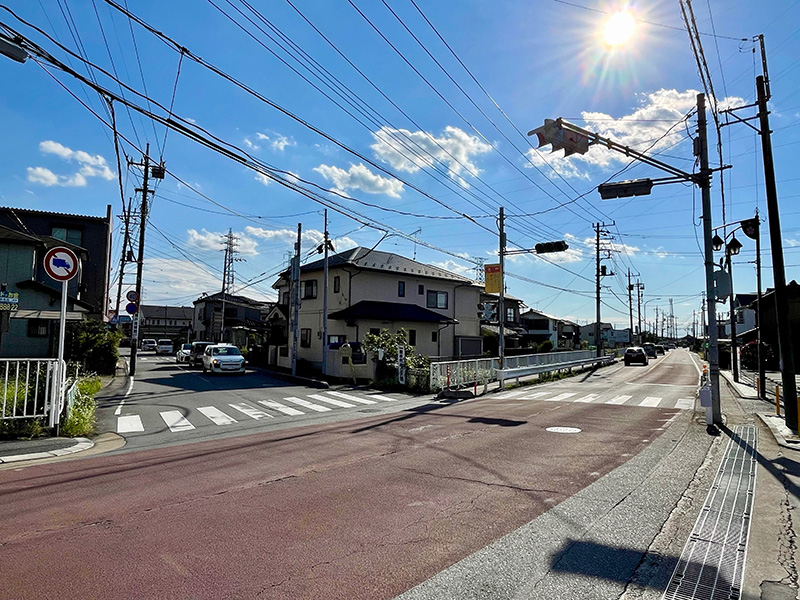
[
  {"x": 732, "y": 305},
  {"x": 124, "y": 257},
  {"x": 785, "y": 343},
  {"x": 295, "y": 295},
  {"x": 671, "y": 326},
  {"x": 228, "y": 275},
  {"x": 639, "y": 289},
  {"x": 501, "y": 316},
  {"x": 599, "y": 272},
  {"x": 762, "y": 386},
  {"x": 630, "y": 306},
  {"x": 655, "y": 323},
  {"x": 325, "y": 297},
  {"x": 140, "y": 259}
]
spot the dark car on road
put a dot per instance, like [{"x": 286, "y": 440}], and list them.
[
  {"x": 196, "y": 353},
  {"x": 660, "y": 349},
  {"x": 635, "y": 354},
  {"x": 650, "y": 349}
]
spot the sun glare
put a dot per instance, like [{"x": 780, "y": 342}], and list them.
[{"x": 619, "y": 28}]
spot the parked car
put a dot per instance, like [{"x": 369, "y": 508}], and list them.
[
  {"x": 196, "y": 353},
  {"x": 635, "y": 354},
  {"x": 222, "y": 358},
  {"x": 650, "y": 349},
  {"x": 183, "y": 354},
  {"x": 660, "y": 349},
  {"x": 148, "y": 345},
  {"x": 164, "y": 346}
]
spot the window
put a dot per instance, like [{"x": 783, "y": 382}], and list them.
[
  {"x": 437, "y": 299},
  {"x": 412, "y": 337},
  {"x": 401, "y": 289},
  {"x": 375, "y": 331},
  {"x": 421, "y": 290},
  {"x": 337, "y": 283},
  {"x": 510, "y": 314},
  {"x": 37, "y": 327},
  {"x": 434, "y": 336},
  {"x": 72, "y": 236},
  {"x": 308, "y": 289},
  {"x": 337, "y": 339},
  {"x": 305, "y": 338},
  {"x": 285, "y": 298}
]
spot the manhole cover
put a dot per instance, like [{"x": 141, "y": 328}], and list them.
[{"x": 563, "y": 430}]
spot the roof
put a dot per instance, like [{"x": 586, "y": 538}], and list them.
[
  {"x": 49, "y": 212},
  {"x": 166, "y": 312},
  {"x": 389, "y": 311},
  {"x": 242, "y": 300},
  {"x": 41, "y": 287},
  {"x": 6, "y": 233},
  {"x": 375, "y": 260}
]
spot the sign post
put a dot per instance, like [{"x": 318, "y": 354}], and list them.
[{"x": 60, "y": 264}]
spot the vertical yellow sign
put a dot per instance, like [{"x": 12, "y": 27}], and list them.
[{"x": 493, "y": 277}]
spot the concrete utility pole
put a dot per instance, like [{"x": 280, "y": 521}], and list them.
[
  {"x": 630, "y": 306},
  {"x": 501, "y": 316},
  {"x": 295, "y": 295},
  {"x": 639, "y": 289},
  {"x": 140, "y": 259},
  {"x": 597, "y": 330},
  {"x": 325, "y": 297}
]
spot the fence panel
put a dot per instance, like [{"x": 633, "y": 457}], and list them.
[{"x": 28, "y": 387}]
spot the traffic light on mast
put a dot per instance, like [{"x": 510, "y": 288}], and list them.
[
  {"x": 553, "y": 133},
  {"x": 547, "y": 247}
]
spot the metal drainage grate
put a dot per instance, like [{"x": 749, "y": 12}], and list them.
[{"x": 712, "y": 562}]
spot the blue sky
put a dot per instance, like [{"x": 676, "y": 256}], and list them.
[{"x": 415, "y": 114}]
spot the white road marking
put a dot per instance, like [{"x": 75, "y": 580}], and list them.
[
  {"x": 560, "y": 397},
  {"x": 534, "y": 395},
  {"x": 352, "y": 398},
  {"x": 685, "y": 403},
  {"x": 129, "y": 424},
  {"x": 384, "y": 398},
  {"x": 251, "y": 412},
  {"x": 589, "y": 398},
  {"x": 216, "y": 415},
  {"x": 307, "y": 404},
  {"x": 334, "y": 401},
  {"x": 619, "y": 400},
  {"x": 287, "y": 410},
  {"x": 122, "y": 402},
  {"x": 650, "y": 401},
  {"x": 176, "y": 421},
  {"x": 512, "y": 394}
]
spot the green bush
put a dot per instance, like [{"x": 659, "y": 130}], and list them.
[
  {"x": 81, "y": 419},
  {"x": 93, "y": 345}
]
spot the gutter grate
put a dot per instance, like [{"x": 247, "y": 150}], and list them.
[{"x": 711, "y": 566}]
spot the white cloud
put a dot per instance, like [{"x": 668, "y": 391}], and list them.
[
  {"x": 48, "y": 178},
  {"x": 263, "y": 179},
  {"x": 280, "y": 143},
  {"x": 251, "y": 145},
  {"x": 641, "y": 130},
  {"x": 309, "y": 238},
  {"x": 457, "y": 268},
  {"x": 91, "y": 165},
  {"x": 277, "y": 142},
  {"x": 455, "y": 149},
  {"x": 359, "y": 177},
  {"x": 214, "y": 241}
]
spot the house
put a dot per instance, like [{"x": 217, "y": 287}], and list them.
[
  {"x": 91, "y": 234},
  {"x": 611, "y": 338},
  {"x": 513, "y": 330},
  {"x": 745, "y": 314},
  {"x": 243, "y": 316},
  {"x": 769, "y": 322},
  {"x": 370, "y": 290},
  {"x": 173, "y": 322},
  {"x": 30, "y": 303},
  {"x": 539, "y": 326}
]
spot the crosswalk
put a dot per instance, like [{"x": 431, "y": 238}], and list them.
[
  {"x": 618, "y": 399},
  {"x": 177, "y": 421}
]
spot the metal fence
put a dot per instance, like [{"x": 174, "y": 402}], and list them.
[
  {"x": 29, "y": 388},
  {"x": 456, "y": 374}
]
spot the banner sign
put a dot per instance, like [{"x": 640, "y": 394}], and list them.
[
  {"x": 9, "y": 301},
  {"x": 493, "y": 278}
]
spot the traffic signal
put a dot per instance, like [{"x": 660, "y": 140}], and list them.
[
  {"x": 553, "y": 133},
  {"x": 547, "y": 247},
  {"x": 487, "y": 311},
  {"x": 625, "y": 189}
]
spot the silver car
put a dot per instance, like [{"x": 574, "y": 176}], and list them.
[
  {"x": 182, "y": 356},
  {"x": 223, "y": 358}
]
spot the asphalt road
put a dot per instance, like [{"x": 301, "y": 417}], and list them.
[{"x": 362, "y": 508}]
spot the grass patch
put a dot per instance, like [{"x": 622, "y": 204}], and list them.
[{"x": 82, "y": 419}]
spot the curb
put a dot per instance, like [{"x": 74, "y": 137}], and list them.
[
  {"x": 82, "y": 444},
  {"x": 778, "y": 428}
]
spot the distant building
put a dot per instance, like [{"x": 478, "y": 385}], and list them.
[
  {"x": 539, "y": 326},
  {"x": 173, "y": 322},
  {"x": 612, "y": 338},
  {"x": 241, "y": 315}
]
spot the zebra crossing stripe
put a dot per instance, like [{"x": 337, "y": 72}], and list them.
[
  {"x": 287, "y": 410},
  {"x": 619, "y": 400},
  {"x": 216, "y": 415},
  {"x": 685, "y": 404},
  {"x": 176, "y": 421},
  {"x": 129, "y": 424},
  {"x": 650, "y": 401},
  {"x": 352, "y": 398},
  {"x": 251, "y": 412},
  {"x": 333, "y": 401},
  {"x": 384, "y": 398},
  {"x": 560, "y": 397},
  {"x": 589, "y": 398},
  {"x": 307, "y": 404},
  {"x": 534, "y": 395},
  {"x": 512, "y": 394}
]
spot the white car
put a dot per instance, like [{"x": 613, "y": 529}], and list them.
[
  {"x": 164, "y": 346},
  {"x": 182, "y": 356},
  {"x": 148, "y": 344},
  {"x": 222, "y": 358}
]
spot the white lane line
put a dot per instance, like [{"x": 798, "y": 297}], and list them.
[
  {"x": 307, "y": 404},
  {"x": 176, "y": 421},
  {"x": 352, "y": 398},
  {"x": 129, "y": 424},
  {"x": 560, "y": 397},
  {"x": 287, "y": 410},
  {"x": 320, "y": 398},
  {"x": 534, "y": 396},
  {"x": 122, "y": 402},
  {"x": 685, "y": 403},
  {"x": 216, "y": 415},
  {"x": 251, "y": 412},
  {"x": 511, "y": 394},
  {"x": 384, "y": 398},
  {"x": 619, "y": 400},
  {"x": 589, "y": 398},
  {"x": 650, "y": 401}
]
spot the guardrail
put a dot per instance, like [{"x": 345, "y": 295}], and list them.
[
  {"x": 533, "y": 364},
  {"x": 28, "y": 388}
]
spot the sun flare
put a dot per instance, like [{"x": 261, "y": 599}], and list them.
[{"x": 619, "y": 28}]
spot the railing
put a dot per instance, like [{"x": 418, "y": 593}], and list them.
[
  {"x": 28, "y": 388},
  {"x": 68, "y": 399},
  {"x": 457, "y": 374}
]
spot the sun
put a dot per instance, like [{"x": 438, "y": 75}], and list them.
[{"x": 619, "y": 28}]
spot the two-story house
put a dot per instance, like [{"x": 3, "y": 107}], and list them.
[
  {"x": 173, "y": 322},
  {"x": 240, "y": 313},
  {"x": 539, "y": 326},
  {"x": 370, "y": 290}
]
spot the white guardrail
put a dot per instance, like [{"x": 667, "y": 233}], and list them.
[
  {"x": 29, "y": 388},
  {"x": 457, "y": 374}
]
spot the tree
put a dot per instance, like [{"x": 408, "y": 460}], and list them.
[{"x": 93, "y": 345}]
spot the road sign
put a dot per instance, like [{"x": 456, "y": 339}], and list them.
[
  {"x": 132, "y": 296},
  {"x": 132, "y": 308},
  {"x": 61, "y": 263},
  {"x": 9, "y": 300},
  {"x": 493, "y": 278}
]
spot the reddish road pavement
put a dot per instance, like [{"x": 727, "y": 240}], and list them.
[{"x": 363, "y": 509}]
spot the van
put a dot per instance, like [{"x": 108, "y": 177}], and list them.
[
  {"x": 164, "y": 347},
  {"x": 196, "y": 353},
  {"x": 650, "y": 349},
  {"x": 148, "y": 344}
]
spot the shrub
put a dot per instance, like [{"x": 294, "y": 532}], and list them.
[
  {"x": 93, "y": 345},
  {"x": 81, "y": 419}
]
